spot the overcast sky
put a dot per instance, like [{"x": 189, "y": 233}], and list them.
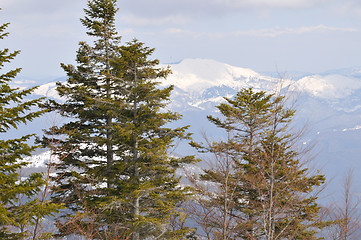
[{"x": 264, "y": 35}]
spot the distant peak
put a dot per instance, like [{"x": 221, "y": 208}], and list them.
[{"x": 197, "y": 75}]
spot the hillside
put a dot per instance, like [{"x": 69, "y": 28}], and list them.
[{"x": 330, "y": 104}]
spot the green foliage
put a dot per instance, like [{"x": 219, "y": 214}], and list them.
[
  {"x": 115, "y": 173},
  {"x": 19, "y": 206},
  {"x": 265, "y": 192}
]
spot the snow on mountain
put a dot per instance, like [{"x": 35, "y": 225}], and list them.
[
  {"x": 330, "y": 102},
  {"x": 40, "y": 160},
  {"x": 48, "y": 90},
  {"x": 197, "y": 75},
  {"x": 201, "y": 83},
  {"x": 329, "y": 86}
]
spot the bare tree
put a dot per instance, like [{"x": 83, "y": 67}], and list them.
[
  {"x": 345, "y": 213},
  {"x": 212, "y": 207}
]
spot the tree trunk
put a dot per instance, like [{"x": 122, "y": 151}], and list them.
[
  {"x": 136, "y": 206},
  {"x": 109, "y": 119}
]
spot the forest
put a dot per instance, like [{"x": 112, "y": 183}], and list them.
[{"x": 111, "y": 174}]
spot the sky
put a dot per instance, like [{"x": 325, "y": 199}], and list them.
[{"x": 265, "y": 35}]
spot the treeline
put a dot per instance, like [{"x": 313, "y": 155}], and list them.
[{"x": 111, "y": 175}]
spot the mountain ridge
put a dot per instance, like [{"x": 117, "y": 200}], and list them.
[
  {"x": 330, "y": 103},
  {"x": 195, "y": 77}
]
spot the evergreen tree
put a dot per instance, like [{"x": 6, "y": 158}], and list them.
[
  {"x": 19, "y": 205},
  {"x": 115, "y": 175},
  {"x": 271, "y": 188}
]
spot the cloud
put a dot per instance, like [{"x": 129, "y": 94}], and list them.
[
  {"x": 191, "y": 34},
  {"x": 161, "y": 8},
  {"x": 133, "y": 20},
  {"x": 268, "y": 3},
  {"x": 178, "y": 12},
  {"x": 42, "y": 7},
  {"x": 127, "y": 32},
  {"x": 277, "y": 31},
  {"x": 350, "y": 7},
  {"x": 268, "y": 32}
]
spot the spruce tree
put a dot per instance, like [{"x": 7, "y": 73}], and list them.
[
  {"x": 115, "y": 175},
  {"x": 19, "y": 205},
  {"x": 270, "y": 190}
]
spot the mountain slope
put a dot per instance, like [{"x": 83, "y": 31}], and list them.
[{"x": 329, "y": 102}]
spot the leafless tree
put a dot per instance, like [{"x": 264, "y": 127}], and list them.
[
  {"x": 212, "y": 207},
  {"x": 345, "y": 213}
]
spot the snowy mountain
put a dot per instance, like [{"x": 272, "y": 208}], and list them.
[
  {"x": 201, "y": 83},
  {"x": 329, "y": 102}
]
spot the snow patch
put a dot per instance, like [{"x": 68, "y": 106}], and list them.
[
  {"x": 352, "y": 129},
  {"x": 196, "y": 75},
  {"x": 40, "y": 160},
  {"x": 330, "y": 86},
  {"x": 48, "y": 90}
]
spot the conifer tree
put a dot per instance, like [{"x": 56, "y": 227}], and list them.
[
  {"x": 19, "y": 206},
  {"x": 271, "y": 188},
  {"x": 115, "y": 173}
]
